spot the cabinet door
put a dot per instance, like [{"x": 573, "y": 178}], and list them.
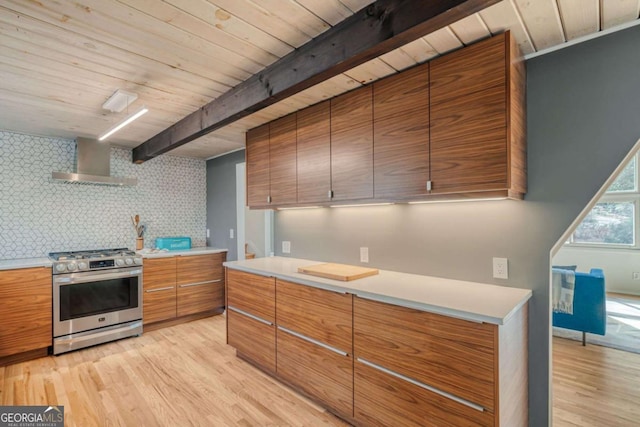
[
  {"x": 452, "y": 355},
  {"x": 252, "y": 293},
  {"x": 254, "y": 339},
  {"x": 200, "y": 283},
  {"x": 26, "y": 307},
  {"x": 352, "y": 145},
  {"x": 321, "y": 372},
  {"x": 383, "y": 399},
  {"x": 469, "y": 145},
  {"x": 199, "y": 268},
  {"x": 314, "y": 153},
  {"x": 401, "y": 134},
  {"x": 257, "y": 155},
  {"x": 282, "y": 161},
  {"x": 159, "y": 285},
  {"x": 321, "y": 315}
]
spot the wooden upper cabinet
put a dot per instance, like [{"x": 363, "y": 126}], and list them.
[
  {"x": 282, "y": 160},
  {"x": 477, "y": 142},
  {"x": 314, "y": 153},
  {"x": 352, "y": 145},
  {"x": 257, "y": 156},
  {"x": 401, "y": 134}
]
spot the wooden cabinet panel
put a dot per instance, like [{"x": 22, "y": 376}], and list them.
[
  {"x": 257, "y": 155},
  {"x": 381, "y": 399},
  {"x": 282, "y": 160},
  {"x": 352, "y": 145},
  {"x": 468, "y": 70},
  {"x": 252, "y": 339},
  {"x": 322, "y": 315},
  {"x": 159, "y": 273},
  {"x": 252, "y": 293},
  {"x": 26, "y": 307},
  {"x": 325, "y": 375},
  {"x": 199, "y": 268},
  {"x": 471, "y": 95},
  {"x": 159, "y": 304},
  {"x": 200, "y": 297},
  {"x": 452, "y": 355},
  {"x": 469, "y": 143},
  {"x": 314, "y": 153},
  {"x": 401, "y": 134}
]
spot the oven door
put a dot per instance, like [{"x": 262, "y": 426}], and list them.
[{"x": 93, "y": 299}]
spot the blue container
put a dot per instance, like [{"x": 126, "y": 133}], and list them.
[{"x": 173, "y": 243}]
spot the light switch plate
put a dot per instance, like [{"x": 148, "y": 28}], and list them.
[
  {"x": 231, "y": 233},
  {"x": 286, "y": 247},
  {"x": 364, "y": 254},
  {"x": 208, "y": 233}
]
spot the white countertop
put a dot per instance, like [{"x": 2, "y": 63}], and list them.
[
  {"x": 155, "y": 253},
  {"x": 13, "y": 264},
  {"x": 479, "y": 302}
]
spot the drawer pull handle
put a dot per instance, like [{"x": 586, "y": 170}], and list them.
[
  {"x": 159, "y": 289},
  {"x": 251, "y": 316},
  {"x": 422, "y": 385},
  {"x": 188, "y": 285},
  {"x": 312, "y": 341}
]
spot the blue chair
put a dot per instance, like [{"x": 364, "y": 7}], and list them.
[{"x": 589, "y": 305}]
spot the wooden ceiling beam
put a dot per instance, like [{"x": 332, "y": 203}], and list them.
[{"x": 375, "y": 30}]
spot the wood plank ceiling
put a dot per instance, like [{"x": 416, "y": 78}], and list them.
[{"x": 61, "y": 59}]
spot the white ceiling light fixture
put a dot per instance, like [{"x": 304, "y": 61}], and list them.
[
  {"x": 118, "y": 102},
  {"x": 123, "y": 123}
]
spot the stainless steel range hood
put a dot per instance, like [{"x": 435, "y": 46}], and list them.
[{"x": 93, "y": 165}]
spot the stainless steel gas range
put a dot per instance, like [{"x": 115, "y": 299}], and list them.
[{"x": 97, "y": 297}]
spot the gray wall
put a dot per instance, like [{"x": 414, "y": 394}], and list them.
[
  {"x": 583, "y": 118},
  {"x": 221, "y": 202}
]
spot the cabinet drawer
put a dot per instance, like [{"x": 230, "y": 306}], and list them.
[
  {"x": 252, "y": 339},
  {"x": 452, "y": 355},
  {"x": 382, "y": 399},
  {"x": 322, "y": 315},
  {"x": 199, "y": 297},
  {"x": 159, "y": 304},
  {"x": 199, "y": 268},
  {"x": 159, "y": 273},
  {"x": 320, "y": 372},
  {"x": 252, "y": 293},
  {"x": 25, "y": 304}
]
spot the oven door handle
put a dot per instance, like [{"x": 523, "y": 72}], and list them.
[{"x": 95, "y": 277}]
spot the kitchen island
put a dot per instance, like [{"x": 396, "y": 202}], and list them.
[{"x": 386, "y": 349}]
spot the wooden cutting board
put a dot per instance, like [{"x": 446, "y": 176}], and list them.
[{"x": 342, "y": 272}]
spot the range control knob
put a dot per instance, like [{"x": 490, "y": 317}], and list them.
[
  {"x": 119, "y": 262},
  {"x": 82, "y": 265},
  {"x": 137, "y": 260},
  {"x": 72, "y": 266},
  {"x": 60, "y": 268},
  {"x": 129, "y": 261}
]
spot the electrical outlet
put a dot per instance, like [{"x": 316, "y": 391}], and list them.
[
  {"x": 364, "y": 254},
  {"x": 208, "y": 233},
  {"x": 286, "y": 247},
  {"x": 500, "y": 268},
  {"x": 635, "y": 275},
  {"x": 231, "y": 233}
]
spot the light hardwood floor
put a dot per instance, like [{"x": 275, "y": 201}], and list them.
[
  {"x": 178, "y": 376},
  {"x": 594, "y": 386}
]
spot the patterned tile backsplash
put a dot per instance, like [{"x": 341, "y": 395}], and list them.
[{"x": 39, "y": 215}]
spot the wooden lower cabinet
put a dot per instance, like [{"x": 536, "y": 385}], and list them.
[
  {"x": 324, "y": 374},
  {"x": 382, "y": 399},
  {"x": 253, "y": 338},
  {"x": 379, "y": 364},
  {"x": 180, "y": 286},
  {"x": 26, "y": 307}
]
